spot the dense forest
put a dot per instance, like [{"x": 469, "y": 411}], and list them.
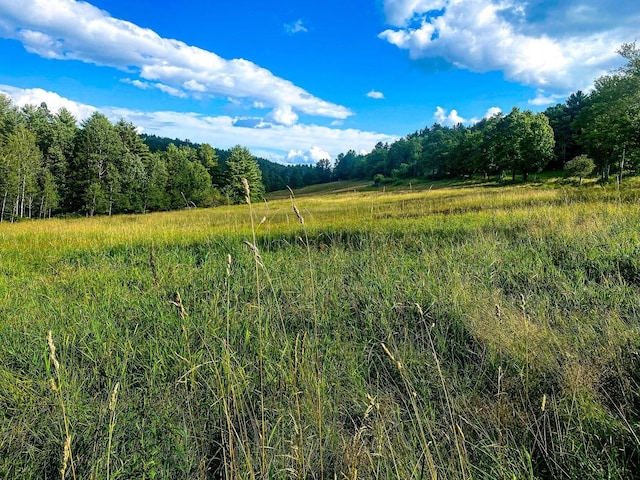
[{"x": 50, "y": 165}]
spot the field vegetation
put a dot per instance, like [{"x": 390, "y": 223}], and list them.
[{"x": 415, "y": 331}]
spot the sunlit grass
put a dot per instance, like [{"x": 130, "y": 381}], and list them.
[{"x": 464, "y": 332}]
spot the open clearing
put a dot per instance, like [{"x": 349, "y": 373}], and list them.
[{"x": 459, "y": 332}]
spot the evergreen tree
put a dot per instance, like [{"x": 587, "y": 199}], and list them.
[
  {"x": 94, "y": 175},
  {"x": 241, "y": 164},
  {"x": 154, "y": 188},
  {"x": 189, "y": 183},
  {"x": 61, "y": 153},
  {"x": 208, "y": 158},
  {"x": 131, "y": 168}
]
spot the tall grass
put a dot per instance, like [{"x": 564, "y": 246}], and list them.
[{"x": 443, "y": 333}]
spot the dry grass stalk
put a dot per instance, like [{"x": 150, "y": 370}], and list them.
[
  {"x": 258, "y": 265},
  {"x": 390, "y": 355},
  {"x": 247, "y": 191},
  {"x": 315, "y": 331},
  {"x": 52, "y": 352},
  {"x": 297, "y": 212},
  {"x": 66, "y": 456},
  {"x": 256, "y": 252},
  {"x": 56, "y": 385},
  {"x": 113, "y": 400},
  {"x": 178, "y": 304},
  {"x": 295, "y": 208},
  {"x": 458, "y": 435},
  {"x": 417, "y": 413}
]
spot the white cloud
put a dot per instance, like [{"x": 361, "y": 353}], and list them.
[
  {"x": 451, "y": 118},
  {"x": 295, "y": 27},
  {"x": 35, "y": 96},
  {"x": 170, "y": 90},
  {"x": 375, "y": 95},
  {"x": 136, "y": 83},
  {"x": 490, "y": 35},
  {"x": 491, "y": 112},
  {"x": 73, "y": 30},
  {"x": 311, "y": 156},
  {"x": 159, "y": 86},
  {"x": 542, "y": 99},
  {"x": 283, "y": 115},
  {"x": 194, "y": 86},
  {"x": 399, "y": 12},
  {"x": 315, "y": 142}
]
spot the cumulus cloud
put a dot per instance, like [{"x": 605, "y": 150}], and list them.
[
  {"x": 375, "y": 95},
  {"x": 518, "y": 38},
  {"x": 274, "y": 140},
  {"x": 74, "y": 30},
  {"x": 311, "y": 156},
  {"x": 541, "y": 99},
  {"x": 35, "y": 96},
  {"x": 295, "y": 27},
  {"x": 491, "y": 112},
  {"x": 283, "y": 115},
  {"x": 400, "y": 12},
  {"x": 451, "y": 118}
]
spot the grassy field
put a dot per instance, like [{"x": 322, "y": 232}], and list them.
[{"x": 426, "y": 331}]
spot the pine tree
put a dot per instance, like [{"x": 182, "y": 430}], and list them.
[{"x": 241, "y": 164}]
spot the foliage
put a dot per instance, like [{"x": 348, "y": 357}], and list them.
[
  {"x": 580, "y": 166},
  {"x": 561, "y": 118},
  {"x": 610, "y": 123},
  {"x": 20, "y": 168},
  {"x": 241, "y": 165},
  {"x": 102, "y": 168},
  {"x": 605, "y": 125},
  {"x": 188, "y": 180},
  {"x": 49, "y": 165}
]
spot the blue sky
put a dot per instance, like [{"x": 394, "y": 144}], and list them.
[{"x": 300, "y": 80}]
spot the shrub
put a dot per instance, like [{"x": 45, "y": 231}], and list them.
[{"x": 580, "y": 166}]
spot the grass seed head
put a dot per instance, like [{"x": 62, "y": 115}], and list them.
[
  {"x": 247, "y": 190},
  {"x": 114, "y": 397},
  {"x": 52, "y": 351},
  {"x": 297, "y": 212},
  {"x": 65, "y": 456},
  {"x": 180, "y": 306},
  {"x": 256, "y": 252}
]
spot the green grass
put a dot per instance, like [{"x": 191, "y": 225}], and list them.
[{"x": 461, "y": 331}]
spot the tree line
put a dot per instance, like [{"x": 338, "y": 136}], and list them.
[
  {"x": 275, "y": 176},
  {"x": 50, "y": 165}
]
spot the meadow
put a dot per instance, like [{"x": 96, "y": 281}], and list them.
[{"x": 468, "y": 331}]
